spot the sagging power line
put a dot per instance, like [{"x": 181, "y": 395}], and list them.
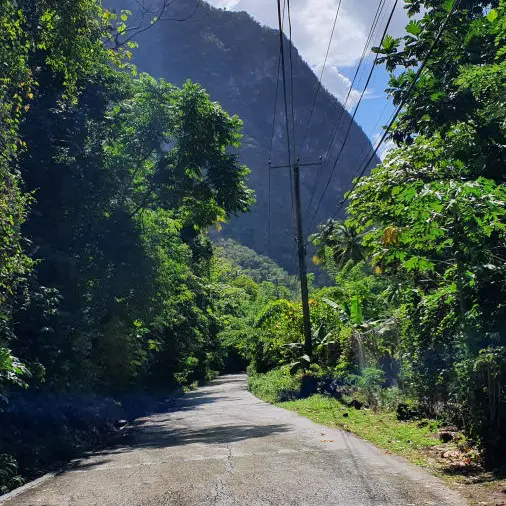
[
  {"x": 343, "y": 144},
  {"x": 394, "y": 116},
  {"x": 344, "y": 107},
  {"x": 295, "y": 186}
]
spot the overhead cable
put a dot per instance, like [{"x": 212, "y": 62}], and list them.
[
  {"x": 339, "y": 118},
  {"x": 400, "y": 106},
  {"x": 351, "y": 123}
]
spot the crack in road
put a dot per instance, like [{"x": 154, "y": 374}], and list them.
[
  {"x": 221, "y": 489},
  {"x": 230, "y": 464}
]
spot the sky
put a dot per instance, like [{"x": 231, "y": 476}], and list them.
[{"x": 312, "y": 22}]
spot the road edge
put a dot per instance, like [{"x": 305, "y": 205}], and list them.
[{"x": 26, "y": 486}]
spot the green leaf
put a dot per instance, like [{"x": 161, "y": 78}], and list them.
[
  {"x": 330, "y": 303},
  {"x": 437, "y": 96},
  {"x": 414, "y": 28},
  {"x": 356, "y": 316},
  {"x": 447, "y": 5},
  {"x": 492, "y": 15},
  {"x": 389, "y": 44}
]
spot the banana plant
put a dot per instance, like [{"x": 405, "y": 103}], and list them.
[
  {"x": 349, "y": 312},
  {"x": 319, "y": 342}
]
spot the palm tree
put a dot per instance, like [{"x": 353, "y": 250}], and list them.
[{"x": 343, "y": 241}]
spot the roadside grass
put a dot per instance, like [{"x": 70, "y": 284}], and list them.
[
  {"x": 274, "y": 386},
  {"x": 380, "y": 428},
  {"x": 417, "y": 441}
]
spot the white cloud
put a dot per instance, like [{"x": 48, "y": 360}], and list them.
[
  {"x": 385, "y": 147},
  {"x": 312, "y": 22},
  {"x": 337, "y": 84}
]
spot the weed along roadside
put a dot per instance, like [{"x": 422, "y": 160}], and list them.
[{"x": 394, "y": 428}]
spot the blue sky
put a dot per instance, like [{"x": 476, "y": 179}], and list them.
[{"x": 311, "y": 27}]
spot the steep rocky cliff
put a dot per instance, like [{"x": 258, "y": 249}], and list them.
[{"x": 236, "y": 60}]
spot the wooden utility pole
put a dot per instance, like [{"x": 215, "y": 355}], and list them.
[{"x": 301, "y": 253}]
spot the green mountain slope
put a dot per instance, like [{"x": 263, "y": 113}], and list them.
[{"x": 236, "y": 60}]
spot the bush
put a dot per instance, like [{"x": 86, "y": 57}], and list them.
[
  {"x": 9, "y": 478},
  {"x": 487, "y": 402},
  {"x": 368, "y": 385},
  {"x": 277, "y": 385},
  {"x": 390, "y": 398}
]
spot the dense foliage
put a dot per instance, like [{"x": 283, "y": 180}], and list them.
[
  {"x": 236, "y": 58},
  {"x": 110, "y": 181},
  {"x": 417, "y": 313},
  {"x": 110, "y": 286},
  {"x": 433, "y": 214}
]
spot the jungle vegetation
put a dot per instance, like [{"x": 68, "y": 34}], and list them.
[
  {"x": 418, "y": 306},
  {"x": 109, "y": 182},
  {"x": 110, "y": 288}
]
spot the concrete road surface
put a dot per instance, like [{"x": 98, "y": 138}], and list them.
[{"x": 222, "y": 446}]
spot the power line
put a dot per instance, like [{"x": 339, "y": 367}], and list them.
[
  {"x": 283, "y": 75},
  {"x": 338, "y": 121},
  {"x": 291, "y": 76},
  {"x": 291, "y": 97},
  {"x": 293, "y": 252},
  {"x": 285, "y": 98},
  {"x": 320, "y": 81},
  {"x": 337, "y": 124},
  {"x": 292, "y": 103},
  {"x": 400, "y": 106},
  {"x": 277, "y": 89},
  {"x": 270, "y": 157},
  {"x": 380, "y": 21},
  {"x": 353, "y": 117},
  {"x": 376, "y": 21},
  {"x": 306, "y": 318},
  {"x": 364, "y": 153}
]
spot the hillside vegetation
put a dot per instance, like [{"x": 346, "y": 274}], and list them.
[
  {"x": 112, "y": 294},
  {"x": 236, "y": 60},
  {"x": 109, "y": 289},
  {"x": 416, "y": 318}
]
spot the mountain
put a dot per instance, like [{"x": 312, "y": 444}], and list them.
[{"x": 236, "y": 60}]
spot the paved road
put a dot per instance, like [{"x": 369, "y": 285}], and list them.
[{"x": 222, "y": 446}]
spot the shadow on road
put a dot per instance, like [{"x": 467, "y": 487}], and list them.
[
  {"x": 165, "y": 431},
  {"x": 162, "y": 436}
]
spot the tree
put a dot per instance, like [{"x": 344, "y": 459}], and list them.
[
  {"x": 461, "y": 82},
  {"x": 110, "y": 181},
  {"x": 15, "y": 94},
  {"x": 343, "y": 241},
  {"x": 115, "y": 162},
  {"x": 433, "y": 213}
]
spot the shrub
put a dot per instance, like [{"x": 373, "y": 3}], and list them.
[
  {"x": 391, "y": 397},
  {"x": 9, "y": 478},
  {"x": 370, "y": 383},
  {"x": 487, "y": 402},
  {"x": 277, "y": 385}
]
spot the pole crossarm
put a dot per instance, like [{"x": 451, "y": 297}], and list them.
[{"x": 310, "y": 164}]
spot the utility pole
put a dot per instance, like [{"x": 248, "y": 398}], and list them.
[{"x": 301, "y": 252}]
